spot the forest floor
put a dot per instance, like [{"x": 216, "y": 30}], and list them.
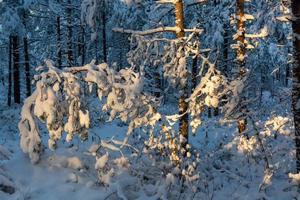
[{"x": 231, "y": 166}]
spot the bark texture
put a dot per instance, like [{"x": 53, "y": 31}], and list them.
[
  {"x": 241, "y": 52},
  {"x": 296, "y": 78},
  {"x": 9, "y": 71},
  {"x": 27, "y": 67},
  {"x": 16, "y": 70},
  {"x": 183, "y": 105}
]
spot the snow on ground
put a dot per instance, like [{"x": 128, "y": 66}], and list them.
[
  {"x": 60, "y": 175},
  {"x": 231, "y": 167}
]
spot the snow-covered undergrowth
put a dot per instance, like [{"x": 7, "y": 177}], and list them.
[
  {"x": 230, "y": 166},
  {"x": 131, "y": 150}
]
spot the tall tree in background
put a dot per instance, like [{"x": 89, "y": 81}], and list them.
[
  {"x": 183, "y": 105},
  {"x": 81, "y": 44},
  {"x": 26, "y": 58},
  {"x": 70, "y": 55},
  {"x": 16, "y": 70},
  {"x": 58, "y": 40},
  {"x": 27, "y": 67},
  {"x": 241, "y": 51},
  {"x": 296, "y": 78},
  {"x": 104, "y": 43},
  {"x": 9, "y": 71}
]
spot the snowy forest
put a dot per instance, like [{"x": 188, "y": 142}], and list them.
[{"x": 150, "y": 99}]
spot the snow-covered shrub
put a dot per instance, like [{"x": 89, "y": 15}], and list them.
[{"x": 58, "y": 101}]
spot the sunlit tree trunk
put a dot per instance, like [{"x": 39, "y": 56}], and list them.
[
  {"x": 241, "y": 50},
  {"x": 16, "y": 70},
  {"x": 27, "y": 67},
  {"x": 183, "y": 105},
  {"x": 296, "y": 79}
]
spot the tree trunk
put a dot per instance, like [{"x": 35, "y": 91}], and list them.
[
  {"x": 58, "y": 42},
  {"x": 81, "y": 44},
  {"x": 27, "y": 67},
  {"x": 183, "y": 105},
  {"x": 194, "y": 72},
  {"x": 69, "y": 35},
  {"x": 104, "y": 44},
  {"x": 296, "y": 79},
  {"x": 241, "y": 51},
  {"x": 225, "y": 49},
  {"x": 16, "y": 72},
  {"x": 9, "y": 71}
]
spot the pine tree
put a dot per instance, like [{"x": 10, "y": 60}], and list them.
[
  {"x": 16, "y": 70},
  {"x": 183, "y": 105},
  {"x": 27, "y": 66},
  {"x": 296, "y": 79},
  {"x": 241, "y": 50},
  {"x": 58, "y": 40},
  {"x": 9, "y": 71}
]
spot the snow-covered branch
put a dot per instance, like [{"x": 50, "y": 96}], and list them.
[{"x": 156, "y": 30}]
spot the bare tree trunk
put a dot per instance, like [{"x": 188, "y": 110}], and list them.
[
  {"x": 225, "y": 49},
  {"x": 104, "y": 43},
  {"x": 58, "y": 41},
  {"x": 69, "y": 35},
  {"x": 183, "y": 105},
  {"x": 81, "y": 44},
  {"x": 9, "y": 72},
  {"x": 27, "y": 67},
  {"x": 241, "y": 50},
  {"x": 16, "y": 72},
  {"x": 194, "y": 72},
  {"x": 296, "y": 79}
]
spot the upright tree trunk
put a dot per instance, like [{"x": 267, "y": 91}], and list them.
[
  {"x": 58, "y": 41},
  {"x": 183, "y": 105},
  {"x": 16, "y": 72},
  {"x": 194, "y": 72},
  {"x": 104, "y": 43},
  {"x": 27, "y": 67},
  {"x": 296, "y": 79},
  {"x": 225, "y": 49},
  {"x": 9, "y": 72},
  {"x": 26, "y": 56},
  {"x": 70, "y": 35},
  {"x": 81, "y": 44},
  {"x": 241, "y": 50}
]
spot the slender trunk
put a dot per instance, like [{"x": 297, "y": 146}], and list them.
[
  {"x": 225, "y": 49},
  {"x": 9, "y": 72},
  {"x": 58, "y": 42},
  {"x": 241, "y": 50},
  {"x": 183, "y": 105},
  {"x": 27, "y": 67},
  {"x": 296, "y": 79},
  {"x": 81, "y": 46},
  {"x": 69, "y": 35},
  {"x": 194, "y": 72},
  {"x": 16, "y": 72},
  {"x": 104, "y": 44}
]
